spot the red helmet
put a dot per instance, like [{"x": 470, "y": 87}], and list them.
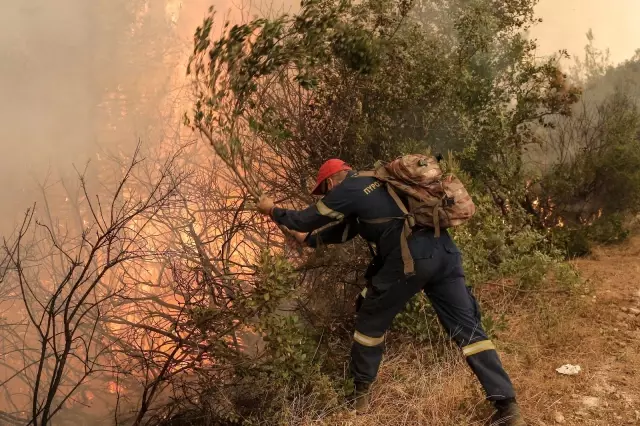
[{"x": 328, "y": 169}]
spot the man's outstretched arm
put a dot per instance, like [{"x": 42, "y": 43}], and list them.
[
  {"x": 334, "y": 234},
  {"x": 334, "y": 207},
  {"x": 307, "y": 220}
]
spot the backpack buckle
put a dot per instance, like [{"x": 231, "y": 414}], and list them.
[
  {"x": 448, "y": 201},
  {"x": 411, "y": 220}
]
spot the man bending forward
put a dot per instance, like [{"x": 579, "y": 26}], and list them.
[{"x": 352, "y": 202}]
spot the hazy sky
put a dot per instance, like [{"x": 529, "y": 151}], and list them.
[{"x": 615, "y": 24}]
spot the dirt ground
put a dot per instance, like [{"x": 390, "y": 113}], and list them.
[{"x": 599, "y": 330}]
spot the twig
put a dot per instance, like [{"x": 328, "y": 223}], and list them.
[{"x": 520, "y": 290}]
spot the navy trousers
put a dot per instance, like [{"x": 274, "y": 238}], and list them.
[{"x": 439, "y": 274}]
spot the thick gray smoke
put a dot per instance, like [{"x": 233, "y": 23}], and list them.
[
  {"x": 48, "y": 94},
  {"x": 77, "y": 77}
]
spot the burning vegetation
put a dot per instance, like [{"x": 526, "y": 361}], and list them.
[{"x": 164, "y": 299}]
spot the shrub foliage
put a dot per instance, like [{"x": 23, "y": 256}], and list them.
[{"x": 373, "y": 80}]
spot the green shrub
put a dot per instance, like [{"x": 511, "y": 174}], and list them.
[
  {"x": 574, "y": 242},
  {"x": 608, "y": 229},
  {"x": 577, "y": 241}
]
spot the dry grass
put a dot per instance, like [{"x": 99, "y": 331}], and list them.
[
  {"x": 414, "y": 389},
  {"x": 544, "y": 330},
  {"x": 419, "y": 391}
]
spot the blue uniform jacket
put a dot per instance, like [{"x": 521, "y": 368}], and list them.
[{"x": 338, "y": 214}]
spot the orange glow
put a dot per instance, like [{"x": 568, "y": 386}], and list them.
[
  {"x": 147, "y": 302},
  {"x": 115, "y": 388}
]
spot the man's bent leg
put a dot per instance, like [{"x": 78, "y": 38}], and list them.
[
  {"x": 366, "y": 358},
  {"x": 459, "y": 313},
  {"x": 383, "y": 301}
]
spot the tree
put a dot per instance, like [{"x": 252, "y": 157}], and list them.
[
  {"x": 67, "y": 284},
  {"x": 379, "y": 79},
  {"x": 276, "y": 97},
  {"x": 594, "y": 66}
]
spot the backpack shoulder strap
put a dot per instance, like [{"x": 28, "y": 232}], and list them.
[{"x": 409, "y": 223}]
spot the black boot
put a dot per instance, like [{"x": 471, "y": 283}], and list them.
[
  {"x": 508, "y": 414},
  {"x": 362, "y": 397}
]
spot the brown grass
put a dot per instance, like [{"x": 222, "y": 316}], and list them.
[
  {"x": 421, "y": 391},
  {"x": 544, "y": 330}
]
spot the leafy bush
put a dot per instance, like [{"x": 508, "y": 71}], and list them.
[
  {"x": 578, "y": 241},
  {"x": 608, "y": 229},
  {"x": 276, "y": 97},
  {"x": 574, "y": 242}
]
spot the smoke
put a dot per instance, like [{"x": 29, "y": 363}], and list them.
[
  {"x": 80, "y": 77},
  {"x": 565, "y": 24},
  {"x": 80, "y": 82},
  {"x": 48, "y": 93},
  {"x": 77, "y": 78}
]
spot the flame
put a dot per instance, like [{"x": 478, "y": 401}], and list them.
[
  {"x": 546, "y": 212},
  {"x": 117, "y": 106},
  {"x": 115, "y": 388}
]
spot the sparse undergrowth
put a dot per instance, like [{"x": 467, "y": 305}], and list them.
[{"x": 591, "y": 325}]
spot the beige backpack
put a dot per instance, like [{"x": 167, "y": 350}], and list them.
[{"x": 434, "y": 199}]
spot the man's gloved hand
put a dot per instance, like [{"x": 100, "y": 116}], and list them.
[{"x": 265, "y": 205}]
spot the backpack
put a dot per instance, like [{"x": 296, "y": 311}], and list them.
[{"x": 434, "y": 199}]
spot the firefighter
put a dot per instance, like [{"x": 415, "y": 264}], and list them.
[{"x": 350, "y": 202}]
